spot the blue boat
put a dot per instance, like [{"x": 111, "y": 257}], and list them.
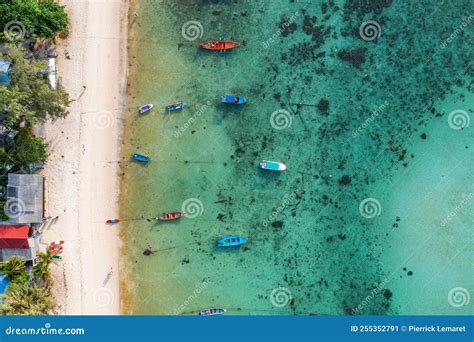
[
  {"x": 231, "y": 99},
  {"x": 272, "y": 165},
  {"x": 145, "y": 108},
  {"x": 175, "y": 106},
  {"x": 231, "y": 240},
  {"x": 212, "y": 311},
  {"x": 141, "y": 158}
]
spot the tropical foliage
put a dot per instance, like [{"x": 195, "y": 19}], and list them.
[
  {"x": 27, "y": 299},
  {"x": 41, "y": 269},
  {"x": 27, "y": 149},
  {"x": 30, "y": 100},
  {"x": 15, "y": 270},
  {"x": 25, "y": 296},
  {"x": 43, "y": 18}
]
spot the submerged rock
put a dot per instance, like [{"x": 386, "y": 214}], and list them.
[{"x": 356, "y": 57}]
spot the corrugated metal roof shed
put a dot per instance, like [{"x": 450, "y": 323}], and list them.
[{"x": 24, "y": 203}]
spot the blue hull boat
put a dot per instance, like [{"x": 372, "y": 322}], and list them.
[
  {"x": 231, "y": 240},
  {"x": 212, "y": 311},
  {"x": 140, "y": 158},
  {"x": 230, "y": 99},
  {"x": 145, "y": 108},
  {"x": 272, "y": 165},
  {"x": 175, "y": 106}
]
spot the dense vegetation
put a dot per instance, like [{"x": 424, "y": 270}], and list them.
[
  {"x": 28, "y": 295},
  {"x": 41, "y": 18},
  {"x": 26, "y": 28},
  {"x": 26, "y": 102},
  {"x": 30, "y": 100}
]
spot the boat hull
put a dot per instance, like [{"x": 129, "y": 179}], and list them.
[
  {"x": 212, "y": 311},
  {"x": 145, "y": 108},
  {"x": 56, "y": 243},
  {"x": 236, "y": 100},
  {"x": 272, "y": 165},
  {"x": 219, "y": 45},
  {"x": 140, "y": 158},
  {"x": 175, "y": 106},
  {"x": 231, "y": 241},
  {"x": 170, "y": 216}
]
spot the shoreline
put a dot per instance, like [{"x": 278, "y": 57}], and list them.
[{"x": 91, "y": 64}]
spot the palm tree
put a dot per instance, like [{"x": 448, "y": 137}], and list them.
[
  {"x": 13, "y": 268},
  {"x": 27, "y": 299},
  {"x": 41, "y": 269}
]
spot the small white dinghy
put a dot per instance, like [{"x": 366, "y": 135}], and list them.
[
  {"x": 272, "y": 165},
  {"x": 145, "y": 108}
]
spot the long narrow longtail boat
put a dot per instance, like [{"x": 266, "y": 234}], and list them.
[
  {"x": 170, "y": 216},
  {"x": 212, "y": 311},
  {"x": 175, "y": 106},
  {"x": 141, "y": 158},
  {"x": 219, "y": 45},
  {"x": 231, "y": 240}
]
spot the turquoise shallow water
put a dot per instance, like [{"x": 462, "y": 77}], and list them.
[{"x": 372, "y": 129}]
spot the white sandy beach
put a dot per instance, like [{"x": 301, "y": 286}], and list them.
[{"x": 82, "y": 175}]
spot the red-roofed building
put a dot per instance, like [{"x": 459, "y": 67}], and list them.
[
  {"x": 14, "y": 236},
  {"x": 17, "y": 241}
]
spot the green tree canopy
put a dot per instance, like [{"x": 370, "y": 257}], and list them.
[
  {"x": 41, "y": 269},
  {"x": 27, "y": 299},
  {"x": 44, "y": 18},
  {"x": 27, "y": 149},
  {"x": 30, "y": 99},
  {"x": 15, "y": 270}
]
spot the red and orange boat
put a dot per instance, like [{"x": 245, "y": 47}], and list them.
[
  {"x": 219, "y": 45},
  {"x": 170, "y": 216},
  {"x": 56, "y": 249}
]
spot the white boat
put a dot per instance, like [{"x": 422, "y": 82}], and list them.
[
  {"x": 145, "y": 108},
  {"x": 212, "y": 311},
  {"x": 272, "y": 165}
]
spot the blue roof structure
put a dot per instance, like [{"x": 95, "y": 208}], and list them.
[{"x": 5, "y": 72}]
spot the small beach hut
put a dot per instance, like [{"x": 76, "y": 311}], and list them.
[{"x": 24, "y": 203}]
